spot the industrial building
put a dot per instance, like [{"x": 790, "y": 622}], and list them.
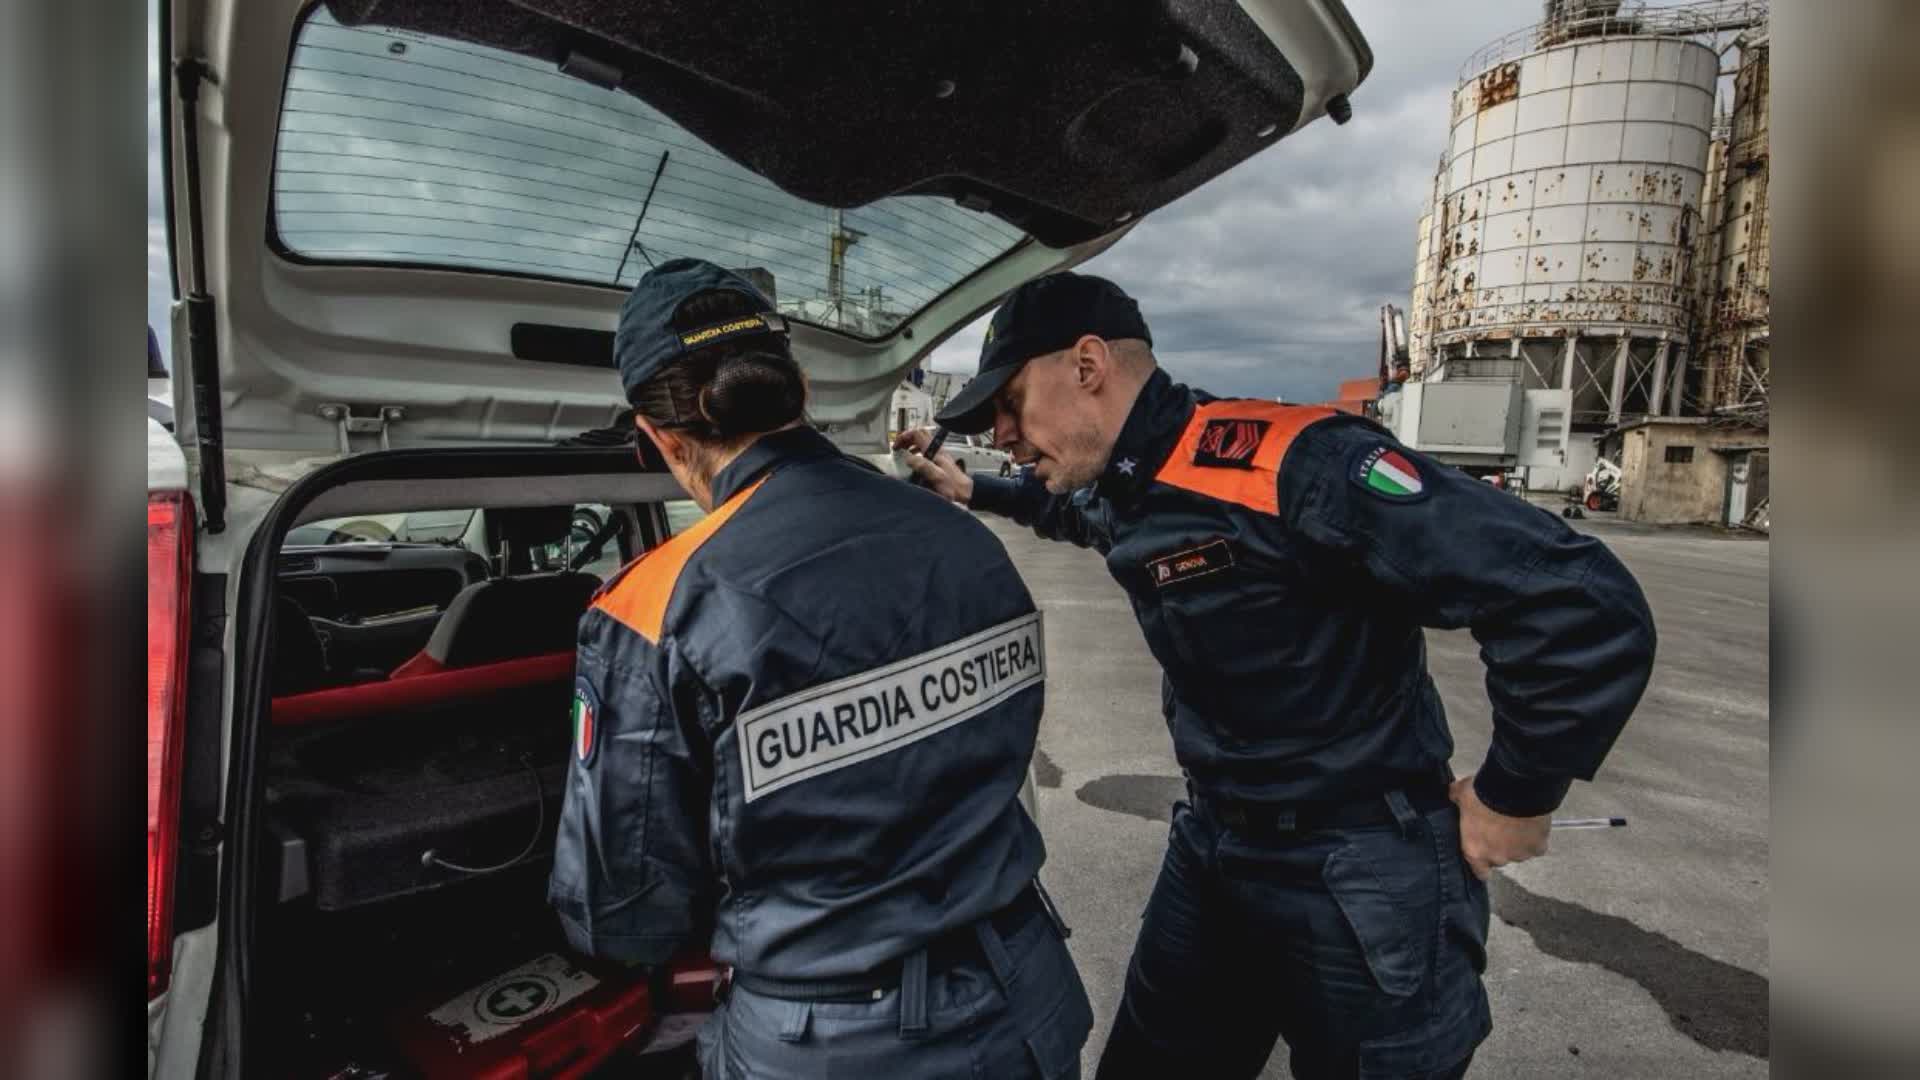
[
  {"x": 1688, "y": 469},
  {"x": 920, "y": 396},
  {"x": 1594, "y": 256}
]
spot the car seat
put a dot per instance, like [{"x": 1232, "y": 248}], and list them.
[{"x": 527, "y": 612}]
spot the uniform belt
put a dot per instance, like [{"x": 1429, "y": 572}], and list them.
[
  {"x": 1300, "y": 817},
  {"x": 951, "y": 949}
]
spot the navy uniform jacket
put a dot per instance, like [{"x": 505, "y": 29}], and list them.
[
  {"x": 1282, "y": 561},
  {"x": 804, "y": 723}
]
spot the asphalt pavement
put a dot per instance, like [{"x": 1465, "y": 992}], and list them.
[{"x": 1636, "y": 952}]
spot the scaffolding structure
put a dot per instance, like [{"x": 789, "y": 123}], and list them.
[{"x": 1733, "y": 338}]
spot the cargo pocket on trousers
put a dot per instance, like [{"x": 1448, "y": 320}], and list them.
[
  {"x": 1439, "y": 1044},
  {"x": 1378, "y": 921},
  {"x": 1055, "y": 1045}
]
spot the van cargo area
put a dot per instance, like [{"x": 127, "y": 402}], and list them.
[
  {"x": 414, "y": 770},
  {"x": 411, "y": 934}
]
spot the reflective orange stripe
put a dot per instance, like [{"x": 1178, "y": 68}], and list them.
[
  {"x": 1257, "y": 487},
  {"x": 639, "y": 599}
]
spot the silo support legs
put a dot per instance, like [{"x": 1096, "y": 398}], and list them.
[{"x": 1659, "y": 388}]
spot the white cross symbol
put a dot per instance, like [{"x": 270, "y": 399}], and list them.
[
  {"x": 515, "y": 1000},
  {"x": 1125, "y": 465}
]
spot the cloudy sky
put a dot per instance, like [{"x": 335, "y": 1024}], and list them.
[{"x": 1267, "y": 281}]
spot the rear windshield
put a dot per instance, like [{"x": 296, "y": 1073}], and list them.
[{"x": 397, "y": 147}]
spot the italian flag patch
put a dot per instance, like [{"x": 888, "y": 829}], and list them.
[
  {"x": 585, "y": 706},
  {"x": 1388, "y": 474}
]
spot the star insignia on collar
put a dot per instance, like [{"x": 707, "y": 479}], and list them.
[{"x": 1126, "y": 466}]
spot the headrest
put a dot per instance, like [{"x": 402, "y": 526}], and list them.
[
  {"x": 525, "y": 529},
  {"x": 507, "y": 618}
]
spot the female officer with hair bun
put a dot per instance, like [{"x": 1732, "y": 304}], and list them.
[{"x": 801, "y": 729}]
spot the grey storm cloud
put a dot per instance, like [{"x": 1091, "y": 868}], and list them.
[
  {"x": 1268, "y": 281},
  {"x": 1265, "y": 282}
]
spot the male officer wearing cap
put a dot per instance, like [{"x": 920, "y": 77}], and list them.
[
  {"x": 1326, "y": 882},
  {"x": 801, "y": 729}
]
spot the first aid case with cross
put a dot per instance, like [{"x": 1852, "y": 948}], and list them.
[{"x": 555, "y": 1015}]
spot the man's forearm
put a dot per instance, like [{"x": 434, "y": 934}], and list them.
[
  {"x": 1511, "y": 791},
  {"x": 1560, "y": 704},
  {"x": 1027, "y": 501},
  {"x": 995, "y": 495}
]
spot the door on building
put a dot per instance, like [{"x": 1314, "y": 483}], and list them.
[{"x": 1739, "y": 477}]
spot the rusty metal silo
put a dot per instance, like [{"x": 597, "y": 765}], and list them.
[{"x": 1571, "y": 195}]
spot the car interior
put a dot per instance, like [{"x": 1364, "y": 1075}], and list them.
[{"x": 414, "y": 765}]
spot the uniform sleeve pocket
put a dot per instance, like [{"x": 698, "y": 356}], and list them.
[{"x": 1377, "y": 920}]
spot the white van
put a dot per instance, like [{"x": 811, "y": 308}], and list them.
[{"x": 400, "y": 233}]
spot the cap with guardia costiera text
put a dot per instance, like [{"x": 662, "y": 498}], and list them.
[
  {"x": 1044, "y": 315},
  {"x": 646, "y": 342}
]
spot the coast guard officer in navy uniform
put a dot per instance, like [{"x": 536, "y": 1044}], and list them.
[
  {"x": 801, "y": 730},
  {"x": 1326, "y": 881}
]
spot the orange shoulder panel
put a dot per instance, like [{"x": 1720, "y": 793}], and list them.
[
  {"x": 1258, "y": 486},
  {"x": 639, "y": 598}
]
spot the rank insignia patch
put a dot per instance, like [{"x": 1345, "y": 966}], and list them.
[{"x": 1229, "y": 443}]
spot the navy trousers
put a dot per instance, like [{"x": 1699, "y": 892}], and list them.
[
  {"x": 1363, "y": 948},
  {"x": 1019, "y": 1012}
]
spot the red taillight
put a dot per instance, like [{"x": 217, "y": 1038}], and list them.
[{"x": 169, "y": 576}]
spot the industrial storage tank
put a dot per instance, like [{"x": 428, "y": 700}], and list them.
[
  {"x": 1565, "y": 213},
  {"x": 1420, "y": 323}
]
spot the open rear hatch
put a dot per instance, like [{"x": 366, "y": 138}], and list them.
[{"x": 421, "y": 217}]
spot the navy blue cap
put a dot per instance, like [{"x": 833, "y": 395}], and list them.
[
  {"x": 646, "y": 341},
  {"x": 1044, "y": 315}
]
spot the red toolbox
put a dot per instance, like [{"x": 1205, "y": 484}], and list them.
[{"x": 553, "y": 1016}]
